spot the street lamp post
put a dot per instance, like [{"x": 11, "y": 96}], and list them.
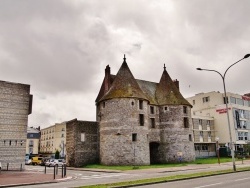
[
  {"x": 226, "y": 101},
  {"x": 217, "y": 148}
]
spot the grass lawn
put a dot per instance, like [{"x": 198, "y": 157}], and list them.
[
  {"x": 164, "y": 179},
  {"x": 211, "y": 160}
]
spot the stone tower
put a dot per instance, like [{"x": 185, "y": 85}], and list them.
[{"x": 142, "y": 122}]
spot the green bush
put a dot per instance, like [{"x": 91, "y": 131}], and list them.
[{"x": 57, "y": 154}]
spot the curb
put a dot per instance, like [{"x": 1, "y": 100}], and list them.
[
  {"x": 37, "y": 183},
  {"x": 24, "y": 184}
]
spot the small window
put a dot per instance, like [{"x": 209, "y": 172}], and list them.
[
  {"x": 4, "y": 142},
  {"x": 233, "y": 100},
  {"x": 10, "y": 142},
  {"x": 209, "y": 134},
  {"x": 132, "y": 103},
  {"x": 31, "y": 143},
  {"x": 239, "y": 101},
  {"x": 31, "y": 135},
  {"x": 141, "y": 116},
  {"x": 166, "y": 108},
  {"x": 225, "y": 101},
  {"x": 152, "y": 122},
  {"x": 190, "y": 137},
  {"x": 208, "y": 122},
  {"x": 62, "y": 135},
  {"x": 103, "y": 104},
  {"x": 193, "y": 102},
  {"x": 200, "y": 121},
  {"x": 63, "y": 129},
  {"x": 204, "y": 147},
  {"x": 134, "y": 137},
  {"x": 205, "y": 99},
  {"x": 186, "y": 123},
  {"x": 197, "y": 147},
  {"x": 140, "y": 104},
  {"x": 152, "y": 110},
  {"x": 83, "y": 137},
  {"x": 184, "y": 109},
  {"x": 201, "y": 133}
]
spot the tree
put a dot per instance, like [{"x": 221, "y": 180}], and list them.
[{"x": 57, "y": 154}]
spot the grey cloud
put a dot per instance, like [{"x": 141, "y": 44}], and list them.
[{"x": 61, "y": 48}]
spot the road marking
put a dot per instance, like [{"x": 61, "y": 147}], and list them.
[
  {"x": 98, "y": 176},
  {"x": 209, "y": 185},
  {"x": 242, "y": 179}
]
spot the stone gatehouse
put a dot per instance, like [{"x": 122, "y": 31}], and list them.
[{"x": 138, "y": 123}]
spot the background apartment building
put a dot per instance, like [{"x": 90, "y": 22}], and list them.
[
  {"x": 204, "y": 136},
  {"x": 53, "y": 138},
  {"x": 33, "y": 140},
  {"x": 212, "y": 104}
]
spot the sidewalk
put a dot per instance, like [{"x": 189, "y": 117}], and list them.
[{"x": 17, "y": 178}]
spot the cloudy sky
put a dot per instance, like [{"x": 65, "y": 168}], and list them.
[{"x": 61, "y": 48}]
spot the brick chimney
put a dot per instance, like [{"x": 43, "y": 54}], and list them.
[{"x": 107, "y": 79}]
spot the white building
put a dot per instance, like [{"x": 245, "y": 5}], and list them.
[
  {"x": 204, "y": 136},
  {"x": 212, "y": 104}
]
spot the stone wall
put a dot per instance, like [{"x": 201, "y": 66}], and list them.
[
  {"x": 176, "y": 140},
  {"x": 163, "y": 143},
  {"x": 15, "y": 106},
  {"x": 82, "y": 143},
  {"x": 119, "y": 120}
]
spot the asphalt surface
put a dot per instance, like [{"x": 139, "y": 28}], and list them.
[{"x": 34, "y": 177}]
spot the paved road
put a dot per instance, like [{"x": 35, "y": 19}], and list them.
[
  {"x": 92, "y": 178},
  {"x": 239, "y": 180}
]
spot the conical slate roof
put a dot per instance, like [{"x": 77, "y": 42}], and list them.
[
  {"x": 167, "y": 93},
  {"x": 124, "y": 85}
]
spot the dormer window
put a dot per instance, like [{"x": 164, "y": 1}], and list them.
[
  {"x": 184, "y": 109},
  {"x": 166, "y": 108},
  {"x": 140, "y": 104},
  {"x": 152, "y": 110}
]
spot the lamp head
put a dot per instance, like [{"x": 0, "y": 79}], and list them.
[
  {"x": 198, "y": 69},
  {"x": 246, "y": 56}
]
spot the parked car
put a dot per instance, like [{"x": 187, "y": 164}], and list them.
[
  {"x": 44, "y": 160},
  {"x": 28, "y": 161},
  {"x": 36, "y": 160},
  {"x": 55, "y": 162}
]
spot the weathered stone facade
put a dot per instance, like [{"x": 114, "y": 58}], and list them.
[
  {"x": 82, "y": 144},
  {"x": 15, "y": 106},
  {"x": 143, "y": 122}
]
